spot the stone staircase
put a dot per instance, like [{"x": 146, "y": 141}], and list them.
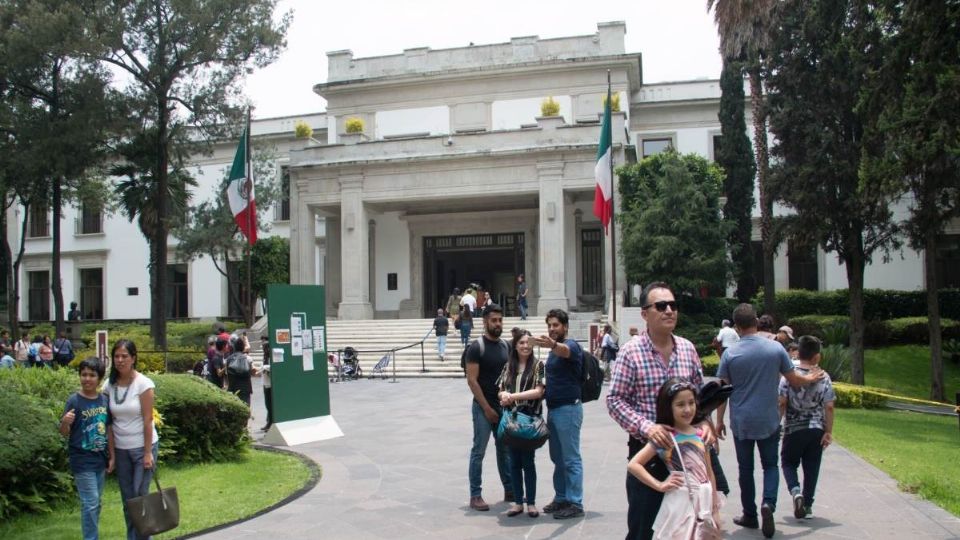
[{"x": 375, "y": 337}]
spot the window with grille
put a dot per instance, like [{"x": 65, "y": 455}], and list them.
[
  {"x": 38, "y": 295},
  {"x": 91, "y": 293},
  {"x": 91, "y": 219},
  {"x": 39, "y": 221},
  {"x": 178, "y": 295},
  {"x": 591, "y": 270},
  {"x": 802, "y": 270}
]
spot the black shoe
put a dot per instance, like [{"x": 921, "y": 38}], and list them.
[
  {"x": 555, "y": 507},
  {"x": 766, "y": 517},
  {"x": 266, "y": 427},
  {"x": 799, "y": 511},
  {"x": 747, "y": 522},
  {"x": 571, "y": 511}
]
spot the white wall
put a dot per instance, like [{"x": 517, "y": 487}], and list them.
[
  {"x": 433, "y": 120},
  {"x": 392, "y": 254},
  {"x": 512, "y": 113}
]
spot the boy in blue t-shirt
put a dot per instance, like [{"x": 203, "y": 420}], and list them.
[
  {"x": 808, "y": 428},
  {"x": 86, "y": 422}
]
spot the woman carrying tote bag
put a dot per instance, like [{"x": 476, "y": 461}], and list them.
[
  {"x": 521, "y": 385},
  {"x": 134, "y": 437}
]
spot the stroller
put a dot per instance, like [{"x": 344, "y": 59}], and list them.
[{"x": 350, "y": 364}]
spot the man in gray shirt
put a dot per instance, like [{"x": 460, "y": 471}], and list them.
[{"x": 754, "y": 366}]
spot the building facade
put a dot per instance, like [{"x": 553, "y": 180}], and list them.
[{"x": 455, "y": 178}]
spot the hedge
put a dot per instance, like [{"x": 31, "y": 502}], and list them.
[
  {"x": 851, "y": 396},
  {"x": 902, "y": 331},
  {"x": 879, "y": 304},
  {"x": 199, "y": 423}
]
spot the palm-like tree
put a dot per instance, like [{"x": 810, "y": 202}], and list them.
[{"x": 744, "y": 28}]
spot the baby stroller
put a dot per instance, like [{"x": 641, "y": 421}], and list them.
[{"x": 350, "y": 364}]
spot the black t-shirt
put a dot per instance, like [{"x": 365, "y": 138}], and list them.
[
  {"x": 491, "y": 364},
  {"x": 441, "y": 324},
  {"x": 215, "y": 363}
]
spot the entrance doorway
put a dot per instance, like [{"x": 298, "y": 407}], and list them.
[{"x": 489, "y": 260}]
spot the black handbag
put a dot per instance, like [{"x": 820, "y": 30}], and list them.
[
  {"x": 712, "y": 393},
  {"x": 155, "y": 512}
]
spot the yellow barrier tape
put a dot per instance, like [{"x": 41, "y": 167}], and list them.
[{"x": 906, "y": 399}]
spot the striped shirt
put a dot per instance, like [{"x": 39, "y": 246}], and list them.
[{"x": 638, "y": 374}]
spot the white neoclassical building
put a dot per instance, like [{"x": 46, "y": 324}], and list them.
[{"x": 455, "y": 179}]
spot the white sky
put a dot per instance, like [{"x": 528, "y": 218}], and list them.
[{"x": 677, "y": 38}]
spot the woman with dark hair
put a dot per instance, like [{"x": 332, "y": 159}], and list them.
[
  {"x": 522, "y": 385},
  {"x": 135, "y": 438},
  {"x": 238, "y": 371},
  {"x": 45, "y": 352}
]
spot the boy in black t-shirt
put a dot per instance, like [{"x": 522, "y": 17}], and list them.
[{"x": 86, "y": 422}]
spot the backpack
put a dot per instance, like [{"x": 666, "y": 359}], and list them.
[
  {"x": 480, "y": 342},
  {"x": 592, "y": 382},
  {"x": 238, "y": 364}
]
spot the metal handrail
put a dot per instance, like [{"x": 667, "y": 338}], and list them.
[{"x": 393, "y": 353}]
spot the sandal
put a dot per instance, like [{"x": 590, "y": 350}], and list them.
[
  {"x": 532, "y": 511},
  {"x": 515, "y": 511}
]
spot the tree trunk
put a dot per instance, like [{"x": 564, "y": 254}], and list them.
[
  {"x": 56, "y": 281},
  {"x": 14, "y": 307},
  {"x": 855, "y": 263},
  {"x": 8, "y": 272},
  {"x": 937, "y": 392},
  {"x": 766, "y": 200},
  {"x": 158, "y": 293}
]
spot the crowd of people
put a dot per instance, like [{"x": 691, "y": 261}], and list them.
[
  {"x": 40, "y": 352},
  {"x": 675, "y": 484}
]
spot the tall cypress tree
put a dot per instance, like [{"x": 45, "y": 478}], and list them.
[{"x": 735, "y": 155}]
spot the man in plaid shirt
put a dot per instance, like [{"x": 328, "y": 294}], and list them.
[{"x": 643, "y": 365}]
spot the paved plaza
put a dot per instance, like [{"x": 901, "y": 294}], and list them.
[{"x": 400, "y": 472}]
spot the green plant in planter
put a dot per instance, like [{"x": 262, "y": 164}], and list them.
[
  {"x": 353, "y": 125},
  {"x": 549, "y": 107},
  {"x": 302, "y": 130},
  {"x": 614, "y": 101}
]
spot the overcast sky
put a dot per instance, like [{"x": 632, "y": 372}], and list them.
[{"x": 677, "y": 37}]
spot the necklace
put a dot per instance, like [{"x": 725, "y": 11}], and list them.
[{"x": 116, "y": 398}]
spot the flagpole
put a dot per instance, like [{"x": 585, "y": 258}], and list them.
[
  {"x": 613, "y": 221},
  {"x": 249, "y": 179}
]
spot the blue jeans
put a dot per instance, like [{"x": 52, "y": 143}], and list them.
[
  {"x": 465, "y": 327},
  {"x": 771, "y": 471},
  {"x": 482, "y": 429},
  {"x": 523, "y": 472},
  {"x": 441, "y": 345},
  {"x": 134, "y": 481},
  {"x": 90, "y": 490},
  {"x": 564, "y": 423},
  {"x": 523, "y": 310}
]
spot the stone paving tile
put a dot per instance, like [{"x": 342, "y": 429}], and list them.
[{"x": 401, "y": 472}]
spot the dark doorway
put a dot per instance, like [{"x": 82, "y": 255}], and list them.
[{"x": 489, "y": 260}]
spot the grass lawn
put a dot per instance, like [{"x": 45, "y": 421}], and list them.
[
  {"x": 905, "y": 370},
  {"x": 919, "y": 451},
  {"x": 236, "y": 490}
]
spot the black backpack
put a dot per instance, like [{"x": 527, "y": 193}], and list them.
[{"x": 592, "y": 382}]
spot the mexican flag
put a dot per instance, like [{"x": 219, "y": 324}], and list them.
[
  {"x": 240, "y": 191},
  {"x": 603, "y": 193}
]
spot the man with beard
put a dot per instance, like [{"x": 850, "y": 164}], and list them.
[
  {"x": 564, "y": 415},
  {"x": 485, "y": 358}
]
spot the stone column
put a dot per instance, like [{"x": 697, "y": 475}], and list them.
[
  {"x": 331, "y": 271},
  {"x": 354, "y": 264},
  {"x": 303, "y": 234},
  {"x": 551, "y": 246}
]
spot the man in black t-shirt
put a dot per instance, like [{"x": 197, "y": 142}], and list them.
[
  {"x": 440, "y": 325},
  {"x": 483, "y": 365}
]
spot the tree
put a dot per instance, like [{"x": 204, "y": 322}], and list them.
[
  {"x": 911, "y": 149},
  {"x": 672, "y": 228},
  {"x": 744, "y": 28},
  {"x": 62, "y": 106},
  {"x": 270, "y": 260},
  {"x": 211, "y": 230},
  {"x": 736, "y": 159},
  {"x": 185, "y": 60},
  {"x": 822, "y": 54}
]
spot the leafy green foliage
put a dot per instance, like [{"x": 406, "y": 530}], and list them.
[
  {"x": 835, "y": 360},
  {"x": 902, "y": 331},
  {"x": 201, "y": 423},
  {"x": 549, "y": 107},
  {"x": 736, "y": 158},
  {"x": 878, "y": 303},
  {"x": 353, "y": 125},
  {"x": 851, "y": 396},
  {"x": 270, "y": 262},
  {"x": 672, "y": 228}
]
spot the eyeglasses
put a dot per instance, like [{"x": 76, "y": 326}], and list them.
[{"x": 662, "y": 305}]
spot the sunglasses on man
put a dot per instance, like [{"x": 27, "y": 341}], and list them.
[{"x": 662, "y": 305}]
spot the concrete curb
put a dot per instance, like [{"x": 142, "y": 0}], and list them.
[{"x": 311, "y": 483}]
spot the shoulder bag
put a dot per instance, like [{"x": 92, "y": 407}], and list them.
[
  {"x": 523, "y": 431},
  {"x": 704, "y": 529},
  {"x": 155, "y": 512}
]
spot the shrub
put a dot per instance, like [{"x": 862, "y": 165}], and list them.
[
  {"x": 879, "y": 304},
  {"x": 835, "y": 360},
  {"x": 549, "y": 107},
  {"x": 201, "y": 421},
  {"x": 701, "y": 336},
  {"x": 302, "y": 130},
  {"x": 813, "y": 325},
  {"x": 851, "y": 396},
  {"x": 916, "y": 330},
  {"x": 711, "y": 363},
  {"x": 353, "y": 125}
]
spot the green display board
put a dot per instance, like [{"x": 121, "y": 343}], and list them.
[{"x": 300, "y": 385}]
